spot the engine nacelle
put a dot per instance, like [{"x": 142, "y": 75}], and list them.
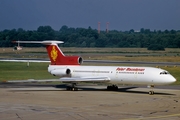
[
  {"x": 68, "y": 60},
  {"x": 73, "y": 60},
  {"x": 61, "y": 72}
]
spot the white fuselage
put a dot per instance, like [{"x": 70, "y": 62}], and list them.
[{"x": 117, "y": 74}]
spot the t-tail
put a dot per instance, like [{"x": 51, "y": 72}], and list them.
[{"x": 55, "y": 54}]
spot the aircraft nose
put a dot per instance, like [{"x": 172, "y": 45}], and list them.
[{"x": 171, "y": 79}]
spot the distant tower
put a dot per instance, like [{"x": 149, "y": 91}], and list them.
[
  {"x": 99, "y": 27},
  {"x": 107, "y": 27}
]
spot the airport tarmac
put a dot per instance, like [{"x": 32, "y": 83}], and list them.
[{"x": 89, "y": 103}]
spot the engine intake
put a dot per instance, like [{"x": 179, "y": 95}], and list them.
[{"x": 68, "y": 71}]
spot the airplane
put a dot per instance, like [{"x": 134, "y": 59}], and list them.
[
  {"x": 18, "y": 47},
  {"x": 70, "y": 70}
]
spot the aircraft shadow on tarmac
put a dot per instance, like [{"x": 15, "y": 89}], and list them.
[
  {"x": 62, "y": 87},
  {"x": 125, "y": 90}
]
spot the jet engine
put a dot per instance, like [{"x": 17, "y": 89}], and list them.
[
  {"x": 61, "y": 72},
  {"x": 72, "y": 60}
]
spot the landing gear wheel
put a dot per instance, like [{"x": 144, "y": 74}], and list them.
[
  {"x": 151, "y": 92},
  {"x": 72, "y": 88},
  {"x": 112, "y": 88}
]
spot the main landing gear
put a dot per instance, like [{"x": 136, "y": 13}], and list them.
[
  {"x": 112, "y": 87},
  {"x": 151, "y": 92},
  {"x": 72, "y": 87}
]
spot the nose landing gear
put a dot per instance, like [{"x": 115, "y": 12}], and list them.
[{"x": 151, "y": 92}]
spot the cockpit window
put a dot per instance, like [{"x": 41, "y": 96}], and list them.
[{"x": 164, "y": 72}]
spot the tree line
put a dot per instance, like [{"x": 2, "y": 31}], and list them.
[{"x": 88, "y": 37}]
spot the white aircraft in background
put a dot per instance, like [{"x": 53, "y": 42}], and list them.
[
  {"x": 70, "y": 70},
  {"x": 18, "y": 47}
]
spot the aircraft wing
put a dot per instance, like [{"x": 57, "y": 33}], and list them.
[
  {"x": 65, "y": 79},
  {"x": 85, "y": 79}
]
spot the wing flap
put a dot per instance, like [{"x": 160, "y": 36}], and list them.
[
  {"x": 85, "y": 79},
  {"x": 65, "y": 79}
]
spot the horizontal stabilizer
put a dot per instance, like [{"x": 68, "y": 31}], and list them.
[{"x": 46, "y": 42}]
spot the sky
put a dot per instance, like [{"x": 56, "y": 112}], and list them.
[{"x": 122, "y": 15}]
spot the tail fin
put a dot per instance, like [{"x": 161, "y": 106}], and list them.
[{"x": 56, "y": 56}]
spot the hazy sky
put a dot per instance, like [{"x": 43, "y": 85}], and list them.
[{"x": 121, "y": 14}]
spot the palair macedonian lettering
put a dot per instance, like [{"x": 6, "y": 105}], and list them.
[
  {"x": 54, "y": 53},
  {"x": 129, "y": 69}
]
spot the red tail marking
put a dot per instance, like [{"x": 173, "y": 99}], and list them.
[{"x": 58, "y": 58}]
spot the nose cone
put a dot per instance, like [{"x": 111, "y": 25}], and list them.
[
  {"x": 165, "y": 80},
  {"x": 170, "y": 79}
]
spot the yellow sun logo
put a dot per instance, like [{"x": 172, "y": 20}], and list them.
[{"x": 54, "y": 53}]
